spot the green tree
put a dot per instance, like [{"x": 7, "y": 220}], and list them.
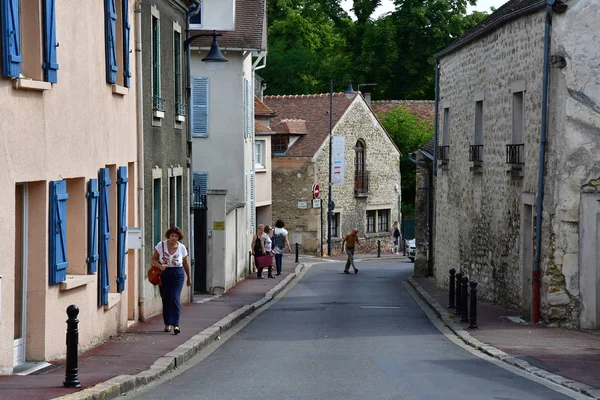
[{"x": 409, "y": 133}]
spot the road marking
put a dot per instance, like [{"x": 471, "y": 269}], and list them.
[{"x": 384, "y": 307}]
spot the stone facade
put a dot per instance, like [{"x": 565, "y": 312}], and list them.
[
  {"x": 486, "y": 214},
  {"x": 293, "y": 178}
]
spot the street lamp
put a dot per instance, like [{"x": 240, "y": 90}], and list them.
[
  {"x": 350, "y": 93},
  {"x": 214, "y": 59}
]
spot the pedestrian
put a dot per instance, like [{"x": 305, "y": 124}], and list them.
[
  {"x": 396, "y": 238},
  {"x": 171, "y": 257},
  {"x": 350, "y": 240},
  {"x": 258, "y": 248},
  {"x": 280, "y": 243},
  {"x": 266, "y": 237}
]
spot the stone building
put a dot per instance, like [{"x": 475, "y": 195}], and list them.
[
  {"x": 529, "y": 233},
  {"x": 369, "y": 195}
]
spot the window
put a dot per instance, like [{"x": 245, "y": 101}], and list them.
[
  {"x": 179, "y": 200},
  {"x": 156, "y": 207},
  {"x": 199, "y": 107},
  {"x": 28, "y": 46},
  {"x": 476, "y": 151},
  {"x": 444, "y": 149},
  {"x": 383, "y": 220},
  {"x": 196, "y": 20},
  {"x": 335, "y": 225},
  {"x": 172, "y": 201},
  {"x": 76, "y": 229},
  {"x": 360, "y": 174},
  {"x": 259, "y": 160},
  {"x": 157, "y": 101},
  {"x": 179, "y": 106},
  {"x": 279, "y": 144},
  {"x": 517, "y": 118},
  {"x": 117, "y": 33},
  {"x": 248, "y": 102},
  {"x": 371, "y": 220}
]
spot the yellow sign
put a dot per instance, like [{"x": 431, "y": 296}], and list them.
[{"x": 219, "y": 225}]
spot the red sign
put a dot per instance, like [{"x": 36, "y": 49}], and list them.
[{"x": 315, "y": 189}]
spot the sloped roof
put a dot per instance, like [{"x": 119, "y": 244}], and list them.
[
  {"x": 510, "y": 10},
  {"x": 428, "y": 148},
  {"x": 250, "y": 28},
  {"x": 422, "y": 109},
  {"x": 260, "y": 108},
  {"x": 291, "y": 127},
  {"x": 312, "y": 108},
  {"x": 261, "y": 128}
]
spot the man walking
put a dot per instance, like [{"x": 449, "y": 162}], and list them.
[{"x": 350, "y": 240}]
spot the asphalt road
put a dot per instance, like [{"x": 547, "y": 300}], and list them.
[{"x": 336, "y": 336}]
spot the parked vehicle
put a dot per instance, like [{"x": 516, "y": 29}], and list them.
[{"x": 411, "y": 249}]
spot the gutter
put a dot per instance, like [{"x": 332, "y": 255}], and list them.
[
  {"x": 140, "y": 149},
  {"x": 436, "y": 116},
  {"x": 543, "y": 140}
]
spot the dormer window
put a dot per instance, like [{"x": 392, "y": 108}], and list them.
[{"x": 196, "y": 20}]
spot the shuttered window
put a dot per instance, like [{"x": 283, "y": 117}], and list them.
[
  {"x": 104, "y": 235},
  {"x": 50, "y": 64},
  {"x": 110, "y": 40},
  {"x": 126, "y": 41},
  {"x": 92, "y": 227},
  {"x": 246, "y": 109},
  {"x": 199, "y": 109},
  {"x": 121, "y": 226},
  {"x": 156, "y": 210},
  {"x": 179, "y": 207},
  {"x": 57, "y": 235},
  {"x": 11, "y": 42}
]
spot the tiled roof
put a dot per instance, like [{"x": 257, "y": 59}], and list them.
[
  {"x": 428, "y": 148},
  {"x": 250, "y": 28},
  {"x": 314, "y": 109},
  {"x": 260, "y": 128},
  {"x": 262, "y": 109},
  {"x": 510, "y": 10},
  {"x": 422, "y": 109},
  {"x": 291, "y": 127}
]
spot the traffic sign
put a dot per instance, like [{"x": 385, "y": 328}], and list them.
[{"x": 315, "y": 190}]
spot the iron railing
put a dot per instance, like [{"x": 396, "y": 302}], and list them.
[
  {"x": 514, "y": 154},
  {"x": 180, "y": 108},
  {"x": 444, "y": 153},
  {"x": 158, "y": 103},
  {"x": 361, "y": 182},
  {"x": 476, "y": 153}
]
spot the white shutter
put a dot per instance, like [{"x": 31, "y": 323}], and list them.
[
  {"x": 253, "y": 200},
  {"x": 199, "y": 108}
]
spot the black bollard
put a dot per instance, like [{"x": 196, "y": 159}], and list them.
[
  {"x": 378, "y": 248},
  {"x": 473, "y": 309},
  {"x": 451, "y": 291},
  {"x": 464, "y": 307},
  {"x": 458, "y": 294},
  {"x": 297, "y": 245},
  {"x": 250, "y": 262},
  {"x": 71, "y": 374}
]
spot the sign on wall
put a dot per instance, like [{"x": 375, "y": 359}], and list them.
[{"x": 337, "y": 160}]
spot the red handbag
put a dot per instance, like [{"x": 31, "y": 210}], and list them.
[
  {"x": 154, "y": 274},
  {"x": 264, "y": 261}
]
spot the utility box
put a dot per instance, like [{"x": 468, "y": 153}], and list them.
[{"x": 134, "y": 238}]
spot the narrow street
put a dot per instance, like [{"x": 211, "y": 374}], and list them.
[{"x": 336, "y": 336}]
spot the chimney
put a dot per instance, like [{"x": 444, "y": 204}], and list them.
[{"x": 367, "y": 97}]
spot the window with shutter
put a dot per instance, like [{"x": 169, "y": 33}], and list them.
[
  {"x": 104, "y": 234},
  {"x": 126, "y": 49},
  {"x": 253, "y": 201},
  {"x": 57, "y": 235},
  {"x": 246, "y": 112},
  {"x": 200, "y": 188},
  {"x": 110, "y": 38},
  {"x": 179, "y": 207},
  {"x": 157, "y": 101},
  {"x": 50, "y": 64},
  {"x": 11, "y": 42},
  {"x": 92, "y": 233},
  {"x": 199, "y": 109},
  {"x": 156, "y": 210},
  {"x": 122, "y": 227}
]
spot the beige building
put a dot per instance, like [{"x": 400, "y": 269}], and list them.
[
  {"x": 529, "y": 233},
  {"x": 68, "y": 130},
  {"x": 368, "y": 195}
]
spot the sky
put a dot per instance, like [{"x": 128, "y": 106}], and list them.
[{"x": 388, "y": 5}]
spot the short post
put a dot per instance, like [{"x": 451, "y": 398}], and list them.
[
  {"x": 297, "y": 245},
  {"x": 71, "y": 374},
  {"x": 451, "y": 291},
  {"x": 378, "y": 248},
  {"x": 464, "y": 308},
  {"x": 458, "y": 293},
  {"x": 250, "y": 262},
  {"x": 473, "y": 308}
]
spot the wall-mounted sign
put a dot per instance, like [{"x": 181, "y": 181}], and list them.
[
  {"x": 219, "y": 225},
  {"x": 337, "y": 161},
  {"x": 315, "y": 190},
  {"x": 316, "y": 203},
  {"x": 302, "y": 205}
]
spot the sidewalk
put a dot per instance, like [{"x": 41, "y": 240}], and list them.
[
  {"x": 570, "y": 358},
  {"x": 145, "y": 352}
]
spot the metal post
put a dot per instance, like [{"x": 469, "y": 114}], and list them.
[
  {"x": 329, "y": 198},
  {"x": 378, "y": 248},
  {"x": 473, "y": 309},
  {"x": 297, "y": 245},
  {"x": 451, "y": 291},
  {"x": 464, "y": 308},
  {"x": 250, "y": 262},
  {"x": 71, "y": 374},
  {"x": 458, "y": 294}
]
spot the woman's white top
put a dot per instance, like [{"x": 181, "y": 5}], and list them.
[
  {"x": 279, "y": 235},
  {"x": 174, "y": 260},
  {"x": 268, "y": 241}
]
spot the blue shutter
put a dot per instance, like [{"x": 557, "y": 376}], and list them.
[
  {"x": 57, "y": 235},
  {"x": 199, "y": 111},
  {"x": 200, "y": 187},
  {"x": 50, "y": 64},
  {"x": 92, "y": 195},
  {"x": 122, "y": 227},
  {"x": 126, "y": 32},
  {"x": 11, "y": 40},
  {"x": 110, "y": 35},
  {"x": 104, "y": 234}
]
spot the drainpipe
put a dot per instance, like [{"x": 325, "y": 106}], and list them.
[
  {"x": 140, "y": 150},
  {"x": 543, "y": 141},
  {"x": 423, "y": 164},
  {"x": 435, "y": 126},
  {"x": 193, "y": 10},
  {"x": 255, "y": 67}
]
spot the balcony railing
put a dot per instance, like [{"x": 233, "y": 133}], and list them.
[
  {"x": 158, "y": 103},
  {"x": 476, "y": 153},
  {"x": 444, "y": 153},
  {"x": 180, "y": 108},
  {"x": 361, "y": 182},
  {"x": 514, "y": 154}
]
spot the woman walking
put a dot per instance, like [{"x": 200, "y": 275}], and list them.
[
  {"x": 396, "y": 238},
  {"x": 268, "y": 243},
  {"x": 280, "y": 243},
  {"x": 171, "y": 257},
  {"x": 258, "y": 248}
]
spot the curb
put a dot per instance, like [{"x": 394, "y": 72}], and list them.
[
  {"x": 492, "y": 351},
  {"x": 120, "y": 385}
]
